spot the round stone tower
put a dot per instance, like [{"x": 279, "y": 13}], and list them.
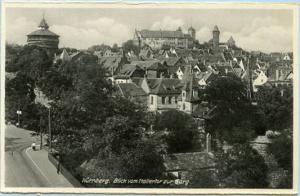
[
  {"x": 216, "y": 37},
  {"x": 43, "y": 37}
]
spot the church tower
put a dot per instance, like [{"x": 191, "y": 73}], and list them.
[
  {"x": 216, "y": 37},
  {"x": 43, "y": 37},
  {"x": 192, "y": 32}
]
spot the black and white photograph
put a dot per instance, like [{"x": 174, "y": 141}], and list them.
[{"x": 153, "y": 97}]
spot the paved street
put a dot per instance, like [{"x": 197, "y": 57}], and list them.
[{"x": 25, "y": 167}]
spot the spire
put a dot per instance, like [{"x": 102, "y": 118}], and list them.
[
  {"x": 43, "y": 23},
  {"x": 216, "y": 28},
  {"x": 191, "y": 28}
]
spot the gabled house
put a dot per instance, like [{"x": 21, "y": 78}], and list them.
[
  {"x": 132, "y": 92},
  {"x": 146, "y": 53},
  {"x": 153, "y": 68},
  {"x": 129, "y": 71},
  {"x": 163, "y": 93},
  {"x": 189, "y": 92}
]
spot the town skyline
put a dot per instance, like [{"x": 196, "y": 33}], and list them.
[{"x": 254, "y": 30}]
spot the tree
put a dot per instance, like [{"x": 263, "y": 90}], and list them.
[
  {"x": 101, "y": 47},
  {"x": 241, "y": 167},
  {"x": 181, "y": 129},
  {"x": 11, "y": 53},
  {"x": 129, "y": 46},
  {"x": 203, "y": 179},
  {"x": 115, "y": 48},
  {"x": 124, "y": 153},
  {"x": 232, "y": 109},
  {"x": 277, "y": 108},
  {"x": 282, "y": 149},
  {"x": 33, "y": 61}
]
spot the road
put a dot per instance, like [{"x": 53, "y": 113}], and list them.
[{"x": 27, "y": 168}]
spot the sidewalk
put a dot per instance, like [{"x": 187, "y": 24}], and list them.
[{"x": 40, "y": 160}]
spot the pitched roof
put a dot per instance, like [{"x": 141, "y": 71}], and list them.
[
  {"x": 110, "y": 62},
  {"x": 137, "y": 81},
  {"x": 171, "y": 61},
  {"x": 188, "y": 161},
  {"x": 128, "y": 69},
  {"x": 64, "y": 56},
  {"x": 160, "y": 86},
  {"x": 149, "y": 65},
  {"x": 231, "y": 40},
  {"x": 160, "y": 34},
  {"x": 131, "y": 90}
]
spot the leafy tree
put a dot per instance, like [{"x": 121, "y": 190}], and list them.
[
  {"x": 33, "y": 61},
  {"x": 232, "y": 109},
  {"x": 115, "y": 48},
  {"x": 123, "y": 153},
  {"x": 241, "y": 167},
  {"x": 129, "y": 46},
  {"x": 282, "y": 149},
  {"x": 11, "y": 52},
  {"x": 165, "y": 47},
  {"x": 101, "y": 47},
  {"x": 203, "y": 179},
  {"x": 276, "y": 105},
  {"x": 181, "y": 129}
]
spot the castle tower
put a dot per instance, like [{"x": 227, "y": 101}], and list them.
[
  {"x": 231, "y": 41},
  {"x": 43, "y": 37},
  {"x": 216, "y": 36},
  {"x": 192, "y": 32}
]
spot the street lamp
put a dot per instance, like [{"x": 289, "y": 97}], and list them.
[
  {"x": 19, "y": 112},
  {"x": 49, "y": 126}
]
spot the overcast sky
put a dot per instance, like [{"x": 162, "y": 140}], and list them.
[{"x": 264, "y": 30}]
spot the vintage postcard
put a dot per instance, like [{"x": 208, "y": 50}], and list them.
[{"x": 159, "y": 98}]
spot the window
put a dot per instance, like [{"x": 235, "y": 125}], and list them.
[
  {"x": 183, "y": 94},
  {"x": 151, "y": 100},
  {"x": 170, "y": 100},
  {"x": 183, "y": 106},
  {"x": 176, "y": 99},
  {"x": 163, "y": 100}
]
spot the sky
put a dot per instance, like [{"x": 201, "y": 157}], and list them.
[{"x": 266, "y": 30}]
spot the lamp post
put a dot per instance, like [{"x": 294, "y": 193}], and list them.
[
  {"x": 41, "y": 134},
  {"x": 49, "y": 127},
  {"x": 19, "y": 112}
]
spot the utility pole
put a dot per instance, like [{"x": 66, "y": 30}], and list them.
[
  {"x": 49, "y": 126},
  {"x": 41, "y": 134}
]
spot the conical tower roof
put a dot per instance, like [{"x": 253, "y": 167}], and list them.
[
  {"x": 43, "y": 24},
  {"x": 231, "y": 39},
  {"x": 191, "y": 29},
  {"x": 216, "y": 28}
]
